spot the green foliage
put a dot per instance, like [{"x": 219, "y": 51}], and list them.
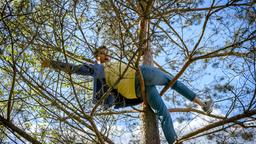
[
  {"x": 63, "y": 30},
  {"x": 247, "y": 136},
  {"x": 224, "y": 88}
]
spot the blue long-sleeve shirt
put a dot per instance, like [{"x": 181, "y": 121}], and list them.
[{"x": 99, "y": 83}]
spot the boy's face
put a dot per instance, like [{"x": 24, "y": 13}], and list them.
[{"x": 103, "y": 56}]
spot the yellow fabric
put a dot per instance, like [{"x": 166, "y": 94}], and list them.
[{"x": 126, "y": 86}]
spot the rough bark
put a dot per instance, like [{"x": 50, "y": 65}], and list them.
[{"x": 150, "y": 132}]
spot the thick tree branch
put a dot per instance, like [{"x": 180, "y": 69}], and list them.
[
  {"x": 221, "y": 52},
  {"x": 217, "y": 124},
  {"x": 6, "y": 123},
  {"x": 177, "y": 76},
  {"x": 184, "y": 10},
  {"x": 170, "y": 110},
  {"x": 189, "y": 59}
]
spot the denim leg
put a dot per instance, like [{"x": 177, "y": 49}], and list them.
[
  {"x": 153, "y": 76},
  {"x": 184, "y": 90},
  {"x": 157, "y": 105}
]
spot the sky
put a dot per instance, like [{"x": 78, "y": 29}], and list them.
[{"x": 209, "y": 75}]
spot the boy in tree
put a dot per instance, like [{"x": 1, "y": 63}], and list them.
[{"x": 126, "y": 86}]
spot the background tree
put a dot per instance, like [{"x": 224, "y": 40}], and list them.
[{"x": 208, "y": 45}]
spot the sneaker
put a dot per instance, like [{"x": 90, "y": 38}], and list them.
[{"x": 208, "y": 106}]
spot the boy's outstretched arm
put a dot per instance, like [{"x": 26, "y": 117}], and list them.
[{"x": 84, "y": 69}]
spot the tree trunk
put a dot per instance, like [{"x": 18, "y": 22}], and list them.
[{"x": 150, "y": 132}]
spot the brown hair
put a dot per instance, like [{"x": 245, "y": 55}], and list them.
[{"x": 97, "y": 51}]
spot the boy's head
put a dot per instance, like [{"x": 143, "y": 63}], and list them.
[{"x": 101, "y": 54}]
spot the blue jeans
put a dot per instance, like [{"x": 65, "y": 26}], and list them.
[{"x": 153, "y": 77}]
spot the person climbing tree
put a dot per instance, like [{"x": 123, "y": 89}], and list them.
[{"x": 126, "y": 86}]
